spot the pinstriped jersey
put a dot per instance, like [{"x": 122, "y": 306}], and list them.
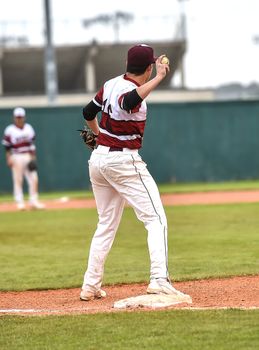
[
  {"x": 118, "y": 127},
  {"x": 19, "y": 140}
]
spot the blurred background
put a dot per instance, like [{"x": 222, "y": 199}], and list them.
[
  {"x": 218, "y": 41},
  {"x": 55, "y": 54}
]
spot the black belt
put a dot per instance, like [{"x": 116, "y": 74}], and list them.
[{"x": 115, "y": 149}]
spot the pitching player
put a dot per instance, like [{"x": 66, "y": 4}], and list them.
[
  {"x": 119, "y": 175},
  {"x": 20, "y": 149}
]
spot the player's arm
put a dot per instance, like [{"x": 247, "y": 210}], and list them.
[
  {"x": 161, "y": 72},
  {"x": 93, "y": 125},
  {"x": 33, "y": 147},
  {"x": 90, "y": 114},
  {"x": 91, "y": 110},
  {"x": 131, "y": 101},
  {"x": 8, "y": 156},
  {"x": 33, "y": 155},
  {"x": 6, "y": 142}
]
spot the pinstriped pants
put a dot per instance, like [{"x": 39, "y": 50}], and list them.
[{"x": 118, "y": 178}]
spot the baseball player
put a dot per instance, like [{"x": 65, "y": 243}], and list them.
[
  {"x": 20, "y": 149},
  {"x": 119, "y": 175}
]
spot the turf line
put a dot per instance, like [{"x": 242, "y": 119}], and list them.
[{"x": 38, "y": 311}]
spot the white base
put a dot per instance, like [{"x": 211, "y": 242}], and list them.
[{"x": 152, "y": 301}]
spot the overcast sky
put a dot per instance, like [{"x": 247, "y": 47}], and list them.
[{"x": 220, "y": 33}]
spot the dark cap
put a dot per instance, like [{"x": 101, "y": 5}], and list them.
[{"x": 141, "y": 55}]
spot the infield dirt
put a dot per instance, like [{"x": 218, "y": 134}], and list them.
[
  {"x": 237, "y": 292},
  {"x": 202, "y": 198}
]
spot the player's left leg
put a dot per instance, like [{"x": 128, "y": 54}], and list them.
[
  {"x": 145, "y": 199},
  {"x": 148, "y": 207},
  {"x": 32, "y": 181},
  {"x": 17, "y": 175}
]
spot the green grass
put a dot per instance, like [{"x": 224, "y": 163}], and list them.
[
  {"x": 209, "y": 186},
  {"x": 164, "y": 188},
  {"x": 163, "y": 330},
  {"x": 49, "y": 249}
]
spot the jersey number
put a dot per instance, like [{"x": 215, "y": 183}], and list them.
[{"x": 109, "y": 107}]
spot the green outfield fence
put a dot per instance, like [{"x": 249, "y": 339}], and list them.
[{"x": 184, "y": 142}]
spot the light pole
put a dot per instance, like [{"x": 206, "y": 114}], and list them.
[
  {"x": 183, "y": 37},
  {"x": 51, "y": 84},
  {"x": 1, "y": 75}
]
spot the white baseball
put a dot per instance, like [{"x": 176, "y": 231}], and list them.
[{"x": 165, "y": 60}]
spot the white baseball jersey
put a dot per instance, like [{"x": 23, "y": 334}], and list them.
[
  {"x": 19, "y": 140},
  {"x": 119, "y": 128}
]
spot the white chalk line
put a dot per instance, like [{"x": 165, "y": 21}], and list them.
[
  {"x": 35, "y": 311},
  {"x": 4, "y": 311},
  {"x": 220, "y": 308}
]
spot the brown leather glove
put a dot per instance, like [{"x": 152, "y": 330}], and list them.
[{"x": 88, "y": 137}]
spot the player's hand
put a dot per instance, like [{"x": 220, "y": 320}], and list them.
[{"x": 161, "y": 68}]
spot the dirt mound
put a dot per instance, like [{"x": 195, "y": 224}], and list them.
[{"x": 235, "y": 292}]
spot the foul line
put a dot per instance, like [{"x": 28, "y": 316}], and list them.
[
  {"x": 35, "y": 311},
  {"x": 27, "y": 310}
]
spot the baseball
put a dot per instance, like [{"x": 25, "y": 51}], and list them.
[{"x": 165, "y": 60}]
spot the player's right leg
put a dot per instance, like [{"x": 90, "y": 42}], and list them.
[
  {"x": 133, "y": 180},
  {"x": 110, "y": 207},
  {"x": 17, "y": 176}
]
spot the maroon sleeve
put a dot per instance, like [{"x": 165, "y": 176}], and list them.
[{"x": 99, "y": 97}]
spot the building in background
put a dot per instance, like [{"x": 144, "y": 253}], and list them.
[
  {"x": 80, "y": 68},
  {"x": 81, "y": 65}
]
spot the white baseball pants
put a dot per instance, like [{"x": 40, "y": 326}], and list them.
[
  {"x": 19, "y": 171},
  {"x": 117, "y": 178}
]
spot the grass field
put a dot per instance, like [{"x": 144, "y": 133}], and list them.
[
  {"x": 48, "y": 249},
  {"x": 163, "y": 330},
  {"x": 204, "y": 241}
]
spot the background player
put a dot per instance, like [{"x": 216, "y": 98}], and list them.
[
  {"x": 118, "y": 174},
  {"x": 18, "y": 141}
]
